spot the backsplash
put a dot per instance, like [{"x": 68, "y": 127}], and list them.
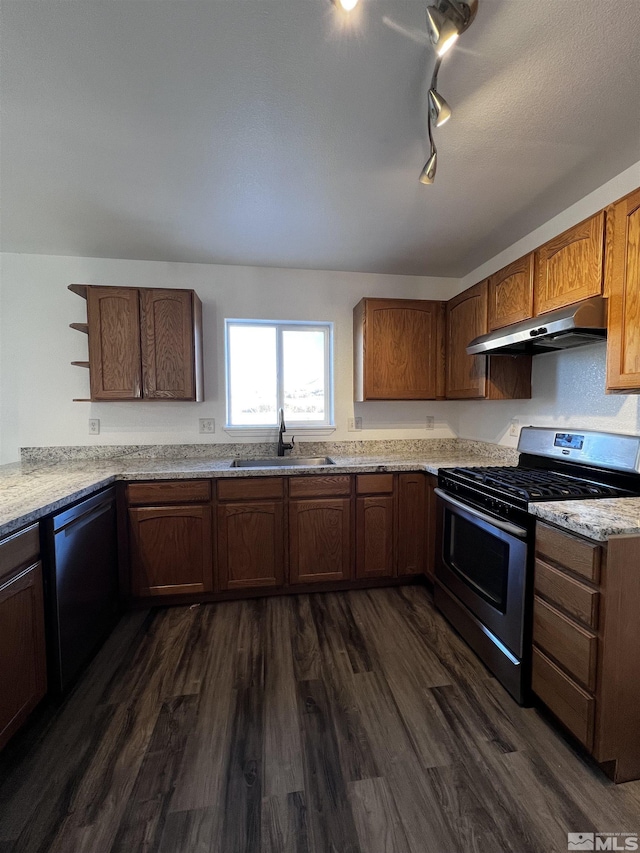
[{"x": 399, "y": 447}]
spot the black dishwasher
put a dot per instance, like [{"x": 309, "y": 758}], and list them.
[{"x": 81, "y": 584}]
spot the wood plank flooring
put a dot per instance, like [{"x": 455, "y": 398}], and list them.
[{"x": 350, "y": 722}]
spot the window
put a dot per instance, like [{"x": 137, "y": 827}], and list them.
[{"x": 273, "y": 365}]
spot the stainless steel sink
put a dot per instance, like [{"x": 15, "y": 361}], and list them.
[{"x": 283, "y": 462}]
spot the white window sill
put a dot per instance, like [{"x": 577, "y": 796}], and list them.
[{"x": 272, "y": 432}]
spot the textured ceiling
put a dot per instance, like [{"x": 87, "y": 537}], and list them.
[{"x": 282, "y": 133}]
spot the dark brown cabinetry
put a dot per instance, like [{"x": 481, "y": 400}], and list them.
[
  {"x": 144, "y": 344},
  {"x": 375, "y": 526},
  {"x": 431, "y": 525},
  {"x": 170, "y": 542},
  {"x": 569, "y": 268},
  {"x": 585, "y": 622},
  {"x": 412, "y": 523},
  {"x": 398, "y": 349},
  {"x": 623, "y": 286},
  {"x": 320, "y": 529},
  {"x": 511, "y": 293},
  {"x": 480, "y": 376},
  {"x": 23, "y": 670},
  {"x": 250, "y": 533}
]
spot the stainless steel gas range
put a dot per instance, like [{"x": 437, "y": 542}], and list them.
[{"x": 484, "y": 563}]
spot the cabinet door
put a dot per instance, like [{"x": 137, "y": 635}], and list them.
[
  {"x": 374, "y": 536},
  {"x": 569, "y": 267},
  {"x": 397, "y": 349},
  {"x": 432, "y": 526},
  {"x": 23, "y": 671},
  {"x": 250, "y": 545},
  {"x": 412, "y": 512},
  {"x": 466, "y": 319},
  {"x": 320, "y": 540},
  {"x": 623, "y": 276},
  {"x": 171, "y": 551},
  {"x": 166, "y": 323},
  {"x": 511, "y": 293},
  {"x": 113, "y": 316}
]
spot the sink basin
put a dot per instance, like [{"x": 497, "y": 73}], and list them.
[{"x": 283, "y": 462}]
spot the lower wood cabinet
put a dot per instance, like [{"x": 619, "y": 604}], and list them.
[
  {"x": 170, "y": 550},
  {"x": 375, "y": 526},
  {"x": 412, "y": 523},
  {"x": 250, "y": 545},
  {"x": 194, "y": 537},
  {"x": 23, "y": 668},
  {"x": 319, "y": 540},
  {"x": 585, "y": 635},
  {"x": 431, "y": 523}
]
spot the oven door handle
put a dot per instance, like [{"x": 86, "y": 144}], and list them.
[{"x": 506, "y": 526}]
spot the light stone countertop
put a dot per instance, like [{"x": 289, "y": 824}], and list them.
[
  {"x": 597, "y": 519},
  {"x": 32, "y": 490}
]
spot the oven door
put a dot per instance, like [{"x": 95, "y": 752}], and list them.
[{"x": 482, "y": 560}]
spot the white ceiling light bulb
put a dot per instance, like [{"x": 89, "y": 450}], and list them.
[
  {"x": 346, "y": 5},
  {"x": 439, "y": 109}
]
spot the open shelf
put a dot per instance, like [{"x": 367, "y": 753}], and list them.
[{"x": 80, "y": 289}]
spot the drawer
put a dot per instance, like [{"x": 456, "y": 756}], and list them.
[
  {"x": 374, "y": 484},
  {"x": 169, "y": 492},
  {"x": 577, "y": 599},
  {"x": 572, "y": 705},
  {"x": 576, "y": 554},
  {"x": 313, "y": 487},
  {"x": 573, "y": 647},
  {"x": 250, "y": 488},
  {"x": 19, "y": 549}
]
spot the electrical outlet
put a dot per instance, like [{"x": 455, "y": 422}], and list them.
[
  {"x": 514, "y": 428},
  {"x": 430, "y": 422},
  {"x": 94, "y": 426},
  {"x": 355, "y": 424},
  {"x": 207, "y": 425}
]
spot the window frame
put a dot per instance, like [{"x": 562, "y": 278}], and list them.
[{"x": 326, "y": 327}]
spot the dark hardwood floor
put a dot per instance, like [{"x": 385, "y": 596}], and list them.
[{"x": 335, "y": 723}]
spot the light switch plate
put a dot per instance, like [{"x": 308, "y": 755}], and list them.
[{"x": 207, "y": 425}]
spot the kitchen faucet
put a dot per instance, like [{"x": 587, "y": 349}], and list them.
[{"x": 283, "y": 445}]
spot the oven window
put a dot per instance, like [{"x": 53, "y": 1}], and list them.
[{"x": 480, "y": 558}]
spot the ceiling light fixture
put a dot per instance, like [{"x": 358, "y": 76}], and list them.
[
  {"x": 346, "y": 5},
  {"x": 439, "y": 109},
  {"x": 446, "y": 20}
]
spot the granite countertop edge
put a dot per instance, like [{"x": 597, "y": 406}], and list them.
[{"x": 31, "y": 491}]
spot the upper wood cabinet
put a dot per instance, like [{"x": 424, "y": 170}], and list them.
[
  {"x": 496, "y": 377},
  {"x": 466, "y": 319},
  {"x": 511, "y": 293},
  {"x": 623, "y": 280},
  {"x": 398, "y": 349},
  {"x": 569, "y": 268},
  {"x": 143, "y": 343}
]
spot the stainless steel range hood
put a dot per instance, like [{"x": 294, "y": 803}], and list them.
[{"x": 574, "y": 326}]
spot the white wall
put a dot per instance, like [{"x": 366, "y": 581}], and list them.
[
  {"x": 38, "y": 383},
  {"x": 568, "y": 387}
]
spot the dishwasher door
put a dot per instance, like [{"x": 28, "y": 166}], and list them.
[{"x": 81, "y": 584}]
